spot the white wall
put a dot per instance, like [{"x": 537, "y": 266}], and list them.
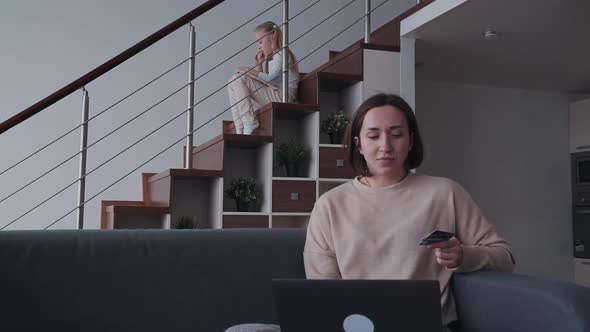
[
  {"x": 47, "y": 44},
  {"x": 381, "y": 72},
  {"x": 509, "y": 149}
]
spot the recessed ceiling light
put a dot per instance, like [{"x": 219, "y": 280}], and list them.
[{"x": 490, "y": 34}]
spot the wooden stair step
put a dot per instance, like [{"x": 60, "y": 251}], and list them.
[
  {"x": 105, "y": 204},
  {"x": 115, "y": 214},
  {"x": 342, "y": 70},
  {"x": 234, "y": 140},
  {"x": 160, "y": 187},
  {"x": 348, "y": 61},
  {"x": 185, "y": 173},
  {"x": 228, "y": 127},
  {"x": 380, "y": 47},
  {"x": 293, "y": 110},
  {"x": 144, "y": 185},
  {"x": 281, "y": 110},
  {"x": 336, "y": 57},
  {"x": 138, "y": 210},
  {"x": 348, "y": 64},
  {"x": 246, "y": 141},
  {"x": 331, "y": 82}
]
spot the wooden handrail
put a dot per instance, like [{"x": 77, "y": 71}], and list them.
[{"x": 107, "y": 66}]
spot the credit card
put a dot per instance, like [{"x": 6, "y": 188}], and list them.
[{"x": 434, "y": 237}]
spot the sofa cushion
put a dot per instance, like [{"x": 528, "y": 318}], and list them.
[{"x": 142, "y": 280}]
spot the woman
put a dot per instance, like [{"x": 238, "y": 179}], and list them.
[
  {"x": 369, "y": 228},
  {"x": 250, "y": 89}
]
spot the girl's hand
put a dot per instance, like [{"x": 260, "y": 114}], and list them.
[
  {"x": 449, "y": 253},
  {"x": 242, "y": 70},
  {"x": 259, "y": 58}
]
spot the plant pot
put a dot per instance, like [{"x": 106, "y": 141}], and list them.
[
  {"x": 335, "y": 139},
  {"x": 291, "y": 169},
  {"x": 242, "y": 206}
]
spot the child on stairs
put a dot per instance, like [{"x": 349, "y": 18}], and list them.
[{"x": 251, "y": 89}]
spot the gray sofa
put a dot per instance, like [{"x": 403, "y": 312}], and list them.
[{"x": 207, "y": 280}]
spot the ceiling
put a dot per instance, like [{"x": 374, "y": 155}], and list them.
[{"x": 542, "y": 44}]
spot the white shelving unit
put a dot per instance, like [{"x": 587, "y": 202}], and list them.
[{"x": 303, "y": 128}]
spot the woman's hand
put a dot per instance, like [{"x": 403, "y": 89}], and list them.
[{"x": 448, "y": 253}]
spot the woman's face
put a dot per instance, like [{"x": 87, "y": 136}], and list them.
[
  {"x": 384, "y": 141},
  {"x": 265, "y": 43}
]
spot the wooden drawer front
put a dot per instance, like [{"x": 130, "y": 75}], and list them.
[
  {"x": 290, "y": 221},
  {"x": 293, "y": 196},
  {"x": 333, "y": 164},
  {"x": 245, "y": 221}
]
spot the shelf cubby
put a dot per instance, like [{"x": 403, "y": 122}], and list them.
[
  {"x": 301, "y": 128},
  {"x": 347, "y": 100},
  {"x": 248, "y": 162}
]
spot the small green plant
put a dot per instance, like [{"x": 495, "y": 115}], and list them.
[
  {"x": 185, "y": 222},
  {"x": 244, "y": 190},
  {"x": 289, "y": 154},
  {"x": 335, "y": 126}
]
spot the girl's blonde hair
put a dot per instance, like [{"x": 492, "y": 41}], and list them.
[{"x": 273, "y": 30}]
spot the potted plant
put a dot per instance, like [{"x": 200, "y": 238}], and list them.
[
  {"x": 244, "y": 191},
  {"x": 289, "y": 154},
  {"x": 185, "y": 222},
  {"x": 335, "y": 126}
]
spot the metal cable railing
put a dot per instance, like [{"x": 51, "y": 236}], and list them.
[
  {"x": 129, "y": 121},
  {"x": 175, "y": 117},
  {"x": 136, "y": 91},
  {"x": 137, "y": 116},
  {"x": 90, "y": 119},
  {"x": 219, "y": 114},
  {"x": 117, "y": 60}
]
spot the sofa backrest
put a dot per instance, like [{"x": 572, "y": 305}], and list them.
[
  {"x": 181, "y": 280},
  {"x": 494, "y": 301}
]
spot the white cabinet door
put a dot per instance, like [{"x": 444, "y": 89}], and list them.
[
  {"x": 580, "y": 126},
  {"x": 582, "y": 272}
]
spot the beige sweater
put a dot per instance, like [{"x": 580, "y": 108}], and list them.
[{"x": 359, "y": 232}]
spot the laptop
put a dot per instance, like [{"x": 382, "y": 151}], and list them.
[{"x": 357, "y": 305}]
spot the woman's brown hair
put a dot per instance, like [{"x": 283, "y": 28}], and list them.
[{"x": 355, "y": 158}]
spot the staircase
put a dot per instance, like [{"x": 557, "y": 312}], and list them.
[
  {"x": 347, "y": 78},
  {"x": 339, "y": 84}
]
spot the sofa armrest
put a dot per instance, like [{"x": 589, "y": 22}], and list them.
[{"x": 495, "y": 301}]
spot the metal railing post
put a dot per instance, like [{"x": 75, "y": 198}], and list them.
[
  {"x": 285, "y": 53},
  {"x": 188, "y": 163},
  {"x": 367, "y": 20},
  {"x": 82, "y": 171}
]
